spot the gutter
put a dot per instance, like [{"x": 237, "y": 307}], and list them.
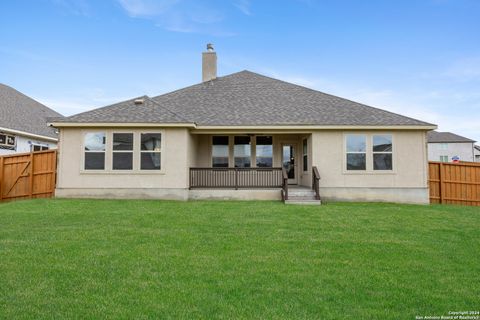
[{"x": 27, "y": 134}]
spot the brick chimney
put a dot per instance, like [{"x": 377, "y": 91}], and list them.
[{"x": 209, "y": 64}]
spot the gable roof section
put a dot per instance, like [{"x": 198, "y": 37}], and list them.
[
  {"x": 21, "y": 113},
  {"x": 445, "y": 137},
  {"x": 247, "y": 99},
  {"x": 127, "y": 112}
]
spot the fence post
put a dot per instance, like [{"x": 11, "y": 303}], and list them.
[
  {"x": 31, "y": 176},
  {"x": 442, "y": 183},
  {"x": 1, "y": 178}
]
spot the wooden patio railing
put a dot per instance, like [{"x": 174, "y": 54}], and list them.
[
  {"x": 235, "y": 178},
  {"x": 284, "y": 184},
  {"x": 316, "y": 182}
]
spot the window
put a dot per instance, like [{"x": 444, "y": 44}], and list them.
[
  {"x": 356, "y": 152},
  {"x": 264, "y": 151},
  {"x": 443, "y": 158},
  {"x": 37, "y": 147},
  {"x": 242, "y": 152},
  {"x": 150, "y": 151},
  {"x": 305, "y": 155},
  {"x": 122, "y": 151},
  {"x": 220, "y": 151},
  {"x": 7, "y": 142},
  {"x": 443, "y": 146},
  {"x": 382, "y": 152},
  {"x": 94, "y": 147}
]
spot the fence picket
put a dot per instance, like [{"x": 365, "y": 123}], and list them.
[
  {"x": 25, "y": 175},
  {"x": 454, "y": 183}
]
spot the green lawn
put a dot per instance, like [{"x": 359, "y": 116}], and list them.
[{"x": 154, "y": 259}]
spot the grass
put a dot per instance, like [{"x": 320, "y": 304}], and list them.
[{"x": 154, "y": 259}]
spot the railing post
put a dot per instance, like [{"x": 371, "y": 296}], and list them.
[{"x": 236, "y": 178}]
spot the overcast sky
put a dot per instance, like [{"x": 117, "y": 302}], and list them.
[{"x": 420, "y": 58}]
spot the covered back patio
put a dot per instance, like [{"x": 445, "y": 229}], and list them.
[{"x": 254, "y": 161}]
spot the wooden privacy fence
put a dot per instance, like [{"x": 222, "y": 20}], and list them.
[
  {"x": 28, "y": 175},
  {"x": 454, "y": 183}
]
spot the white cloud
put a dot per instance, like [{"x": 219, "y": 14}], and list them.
[
  {"x": 186, "y": 16},
  {"x": 146, "y": 8},
  {"x": 243, "y": 6}
]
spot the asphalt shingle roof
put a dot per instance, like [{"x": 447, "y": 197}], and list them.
[
  {"x": 22, "y": 113},
  {"x": 128, "y": 111},
  {"x": 247, "y": 99},
  {"x": 445, "y": 137}
]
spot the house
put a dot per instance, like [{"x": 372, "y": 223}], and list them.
[
  {"x": 23, "y": 123},
  {"x": 476, "y": 152},
  {"x": 243, "y": 136},
  {"x": 445, "y": 146}
]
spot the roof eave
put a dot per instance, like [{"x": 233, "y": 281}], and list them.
[
  {"x": 426, "y": 127},
  {"x": 28, "y": 134},
  {"x": 118, "y": 124}
]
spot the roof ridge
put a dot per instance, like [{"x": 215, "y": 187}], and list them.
[{"x": 199, "y": 84}]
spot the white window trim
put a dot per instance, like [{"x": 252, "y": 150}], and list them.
[
  {"x": 229, "y": 146},
  {"x": 253, "y": 150},
  {"x": 83, "y": 151},
  {"x": 125, "y": 151},
  {"x": 140, "y": 151},
  {"x": 382, "y": 152},
  {"x": 369, "y": 155},
  {"x": 136, "y": 153}
]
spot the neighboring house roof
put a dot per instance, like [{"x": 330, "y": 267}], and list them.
[
  {"x": 21, "y": 113},
  {"x": 247, "y": 99},
  {"x": 445, "y": 137},
  {"x": 477, "y": 147}
]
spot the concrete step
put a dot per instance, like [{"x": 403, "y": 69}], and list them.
[
  {"x": 292, "y": 197},
  {"x": 303, "y": 202},
  {"x": 302, "y": 193}
]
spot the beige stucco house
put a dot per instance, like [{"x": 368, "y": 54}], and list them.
[{"x": 243, "y": 136}]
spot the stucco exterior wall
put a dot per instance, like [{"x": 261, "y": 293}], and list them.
[
  {"x": 407, "y": 182},
  {"x": 410, "y": 169},
  {"x": 464, "y": 150},
  {"x": 178, "y": 152}
]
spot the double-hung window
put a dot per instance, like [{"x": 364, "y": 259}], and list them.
[
  {"x": 122, "y": 151},
  {"x": 94, "y": 148},
  {"x": 220, "y": 151},
  {"x": 242, "y": 152},
  {"x": 264, "y": 151},
  {"x": 150, "y": 151},
  {"x": 382, "y": 151},
  {"x": 356, "y": 151}
]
